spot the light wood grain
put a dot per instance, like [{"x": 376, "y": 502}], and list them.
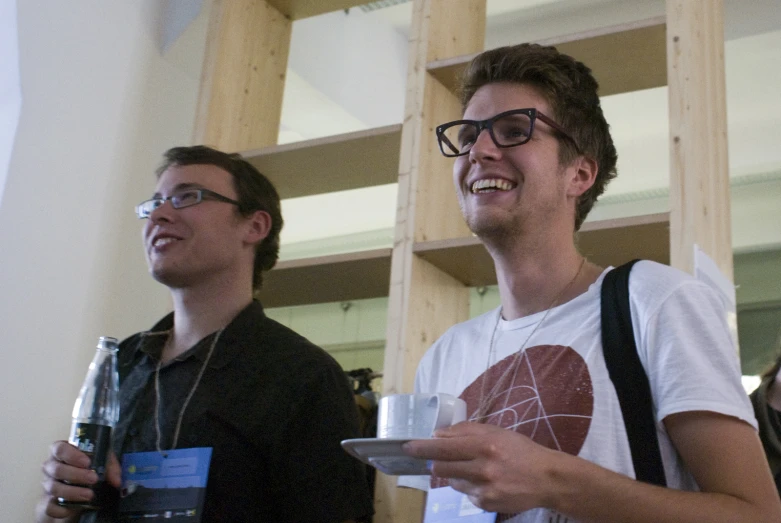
[
  {"x": 699, "y": 169},
  {"x": 424, "y": 301},
  {"x": 243, "y": 78},
  {"x": 336, "y": 163},
  {"x": 626, "y": 57}
]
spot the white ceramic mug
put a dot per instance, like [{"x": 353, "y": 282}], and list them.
[{"x": 415, "y": 416}]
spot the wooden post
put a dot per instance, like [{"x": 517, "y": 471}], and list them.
[
  {"x": 699, "y": 170},
  {"x": 243, "y": 78},
  {"x": 424, "y": 301}
]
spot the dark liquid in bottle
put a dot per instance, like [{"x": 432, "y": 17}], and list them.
[{"x": 94, "y": 441}]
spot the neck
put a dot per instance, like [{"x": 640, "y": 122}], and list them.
[
  {"x": 202, "y": 310},
  {"x": 535, "y": 274}
]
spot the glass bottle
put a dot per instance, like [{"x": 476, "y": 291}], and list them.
[{"x": 95, "y": 414}]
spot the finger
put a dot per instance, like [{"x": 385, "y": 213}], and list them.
[
  {"x": 465, "y": 429},
  {"x": 67, "y": 453},
  {"x": 59, "y": 471},
  {"x": 53, "y": 510},
  {"x": 444, "y": 449},
  {"x": 73, "y": 493},
  {"x": 113, "y": 471},
  {"x": 474, "y": 472}
]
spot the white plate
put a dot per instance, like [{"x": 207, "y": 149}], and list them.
[{"x": 385, "y": 455}]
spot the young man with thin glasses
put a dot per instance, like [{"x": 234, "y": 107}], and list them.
[
  {"x": 217, "y": 373},
  {"x": 545, "y": 440}
]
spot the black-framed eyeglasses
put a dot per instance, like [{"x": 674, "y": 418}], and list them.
[
  {"x": 507, "y": 129},
  {"x": 181, "y": 199}
]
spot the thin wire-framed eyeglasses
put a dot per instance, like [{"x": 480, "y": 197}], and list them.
[
  {"x": 507, "y": 129},
  {"x": 181, "y": 199}
]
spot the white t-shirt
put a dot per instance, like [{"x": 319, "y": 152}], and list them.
[{"x": 561, "y": 395}]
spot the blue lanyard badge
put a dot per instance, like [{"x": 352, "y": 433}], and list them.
[
  {"x": 445, "y": 505},
  {"x": 163, "y": 486}
]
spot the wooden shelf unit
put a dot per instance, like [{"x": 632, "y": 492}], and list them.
[
  {"x": 335, "y": 163},
  {"x": 426, "y": 273},
  {"x": 623, "y": 58}
]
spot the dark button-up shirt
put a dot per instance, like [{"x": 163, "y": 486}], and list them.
[{"x": 274, "y": 408}]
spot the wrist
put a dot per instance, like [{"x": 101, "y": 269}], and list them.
[{"x": 560, "y": 479}]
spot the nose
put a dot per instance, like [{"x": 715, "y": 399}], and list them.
[{"x": 484, "y": 147}]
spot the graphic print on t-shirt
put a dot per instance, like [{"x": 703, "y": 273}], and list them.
[{"x": 547, "y": 395}]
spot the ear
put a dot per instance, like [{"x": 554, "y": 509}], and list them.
[
  {"x": 584, "y": 174},
  {"x": 258, "y": 227}
]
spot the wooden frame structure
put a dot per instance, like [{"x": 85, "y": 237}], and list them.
[{"x": 434, "y": 258}]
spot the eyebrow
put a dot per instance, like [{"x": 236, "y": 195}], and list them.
[{"x": 180, "y": 187}]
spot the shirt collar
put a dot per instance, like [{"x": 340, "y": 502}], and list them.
[{"x": 236, "y": 336}]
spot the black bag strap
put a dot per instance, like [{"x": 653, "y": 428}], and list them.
[{"x": 629, "y": 377}]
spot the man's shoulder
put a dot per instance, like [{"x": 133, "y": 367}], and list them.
[
  {"x": 275, "y": 344},
  {"x": 651, "y": 282},
  {"x": 651, "y": 272}
]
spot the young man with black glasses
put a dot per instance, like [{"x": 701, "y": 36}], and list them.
[
  {"x": 217, "y": 373},
  {"x": 546, "y": 440}
]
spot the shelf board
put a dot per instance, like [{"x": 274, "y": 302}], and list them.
[
  {"x": 322, "y": 279},
  {"x": 298, "y": 9},
  {"x": 623, "y": 58},
  {"x": 335, "y": 163},
  {"x": 366, "y": 274},
  {"x": 605, "y": 242}
]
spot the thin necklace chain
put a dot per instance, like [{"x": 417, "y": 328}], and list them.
[
  {"x": 485, "y": 401},
  {"x": 186, "y": 401}
]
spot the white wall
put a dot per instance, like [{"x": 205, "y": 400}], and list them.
[
  {"x": 10, "y": 92},
  {"x": 100, "y": 106}
]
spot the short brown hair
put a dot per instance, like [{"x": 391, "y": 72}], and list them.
[
  {"x": 569, "y": 88},
  {"x": 255, "y": 193}
]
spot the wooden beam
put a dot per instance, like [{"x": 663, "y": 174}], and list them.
[
  {"x": 423, "y": 301},
  {"x": 699, "y": 169},
  {"x": 243, "y": 78}
]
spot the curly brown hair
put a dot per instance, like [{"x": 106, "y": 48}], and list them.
[
  {"x": 255, "y": 193},
  {"x": 571, "y": 91}
]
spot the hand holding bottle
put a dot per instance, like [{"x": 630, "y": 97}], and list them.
[
  {"x": 67, "y": 475},
  {"x": 81, "y": 472}
]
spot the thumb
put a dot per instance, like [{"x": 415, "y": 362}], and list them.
[{"x": 113, "y": 471}]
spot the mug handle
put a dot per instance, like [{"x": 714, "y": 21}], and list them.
[{"x": 455, "y": 411}]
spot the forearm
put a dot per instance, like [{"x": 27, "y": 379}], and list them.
[{"x": 590, "y": 493}]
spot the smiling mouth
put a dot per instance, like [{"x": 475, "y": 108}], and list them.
[
  {"x": 160, "y": 242},
  {"x": 491, "y": 185}
]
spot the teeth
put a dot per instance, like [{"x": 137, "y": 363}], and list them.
[
  {"x": 491, "y": 184},
  {"x": 163, "y": 241}
]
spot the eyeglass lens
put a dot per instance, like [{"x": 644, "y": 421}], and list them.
[
  {"x": 509, "y": 130},
  {"x": 178, "y": 200}
]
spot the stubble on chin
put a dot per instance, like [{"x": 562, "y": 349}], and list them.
[{"x": 491, "y": 228}]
